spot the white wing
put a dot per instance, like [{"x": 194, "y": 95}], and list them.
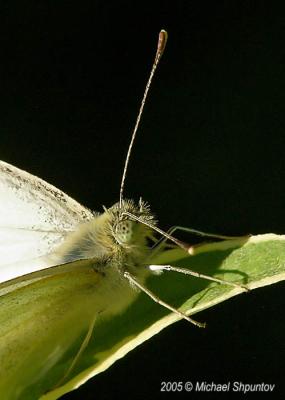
[{"x": 35, "y": 217}]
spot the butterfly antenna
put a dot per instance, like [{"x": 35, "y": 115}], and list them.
[{"x": 162, "y": 39}]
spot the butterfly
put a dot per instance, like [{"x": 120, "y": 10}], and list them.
[{"x": 95, "y": 264}]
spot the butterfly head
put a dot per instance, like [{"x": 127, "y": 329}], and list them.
[{"x": 129, "y": 222}]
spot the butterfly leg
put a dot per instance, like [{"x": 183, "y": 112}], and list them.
[
  {"x": 155, "y": 298},
  {"x": 82, "y": 347},
  {"x": 196, "y": 274}
]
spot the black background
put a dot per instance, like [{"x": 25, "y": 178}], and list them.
[{"x": 209, "y": 153}]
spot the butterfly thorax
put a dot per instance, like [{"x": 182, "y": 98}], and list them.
[{"x": 112, "y": 239}]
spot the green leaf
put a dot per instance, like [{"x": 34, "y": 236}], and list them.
[{"x": 45, "y": 315}]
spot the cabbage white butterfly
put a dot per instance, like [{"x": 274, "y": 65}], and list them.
[{"x": 41, "y": 228}]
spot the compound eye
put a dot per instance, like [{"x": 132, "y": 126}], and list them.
[{"x": 124, "y": 231}]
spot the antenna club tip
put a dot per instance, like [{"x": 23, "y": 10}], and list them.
[
  {"x": 163, "y": 33},
  {"x": 191, "y": 250},
  {"x": 162, "y": 39}
]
